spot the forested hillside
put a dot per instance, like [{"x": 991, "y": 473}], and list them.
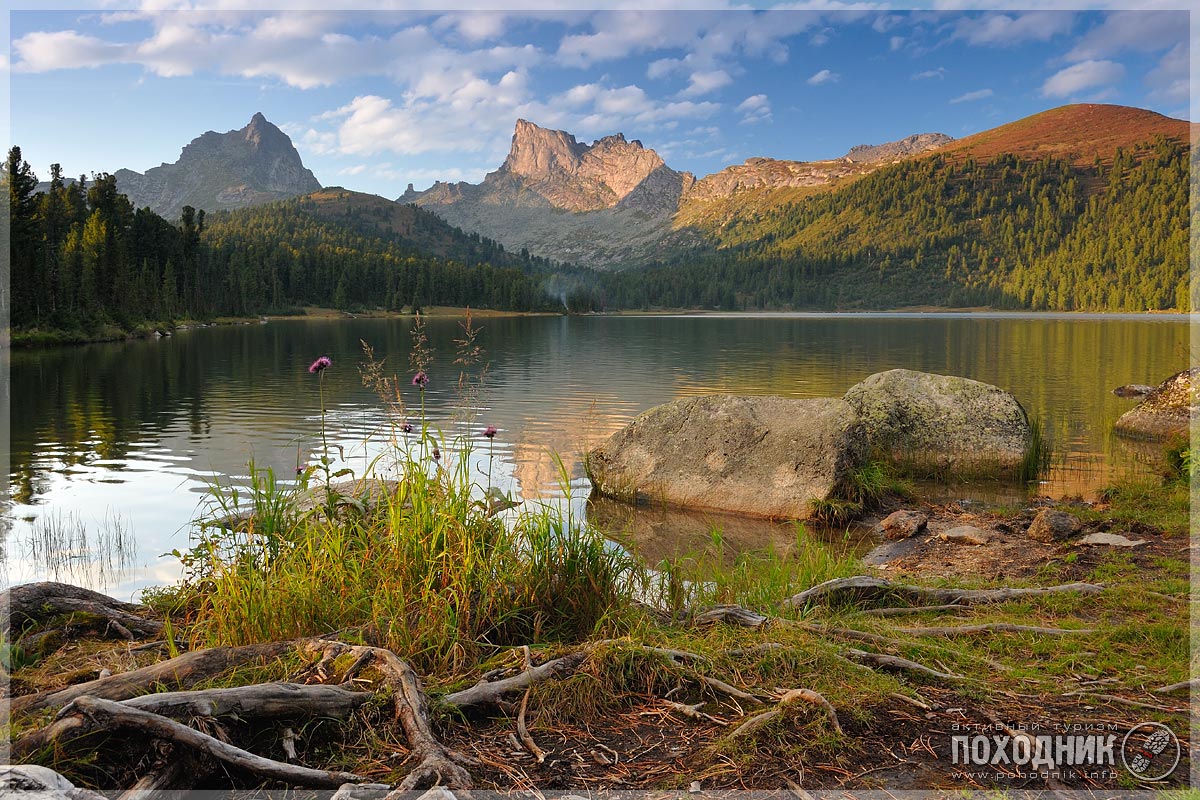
[
  {"x": 85, "y": 263},
  {"x": 1007, "y": 232}
]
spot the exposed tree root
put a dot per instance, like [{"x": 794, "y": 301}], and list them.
[
  {"x": 1176, "y": 687},
  {"x": 904, "y": 611},
  {"x": 867, "y": 589},
  {"x": 806, "y": 695},
  {"x": 436, "y": 766},
  {"x": 35, "y": 603},
  {"x": 992, "y": 627},
  {"x": 94, "y": 714},
  {"x": 493, "y": 692},
  {"x": 179, "y": 672},
  {"x": 895, "y": 663}
]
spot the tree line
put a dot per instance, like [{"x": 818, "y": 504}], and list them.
[{"x": 84, "y": 261}]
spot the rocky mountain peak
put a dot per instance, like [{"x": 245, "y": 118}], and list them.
[
  {"x": 571, "y": 175},
  {"x": 217, "y": 171}
]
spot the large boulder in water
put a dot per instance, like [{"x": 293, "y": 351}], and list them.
[
  {"x": 937, "y": 423},
  {"x": 1167, "y": 411},
  {"x": 762, "y": 456}
]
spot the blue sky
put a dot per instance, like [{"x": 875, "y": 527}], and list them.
[{"x": 376, "y": 99}]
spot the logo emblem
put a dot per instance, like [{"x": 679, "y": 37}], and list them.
[{"x": 1150, "y": 751}]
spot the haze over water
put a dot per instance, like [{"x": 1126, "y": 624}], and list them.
[{"x": 135, "y": 431}]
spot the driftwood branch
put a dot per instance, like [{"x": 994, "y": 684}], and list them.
[{"x": 868, "y": 589}]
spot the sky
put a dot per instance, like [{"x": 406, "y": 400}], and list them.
[{"x": 375, "y": 99}]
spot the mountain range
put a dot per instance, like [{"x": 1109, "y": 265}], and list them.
[
  {"x": 615, "y": 203},
  {"x": 1081, "y": 207}
]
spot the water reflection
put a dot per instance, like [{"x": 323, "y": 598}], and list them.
[{"x": 139, "y": 428}]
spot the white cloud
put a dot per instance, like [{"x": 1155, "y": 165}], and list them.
[
  {"x": 972, "y": 96},
  {"x": 824, "y": 76},
  {"x": 755, "y": 108},
  {"x": 1084, "y": 75},
  {"x": 1169, "y": 80},
  {"x": 939, "y": 73},
  {"x": 896, "y": 42},
  {"x": 44, "y": 50},
  {"x": 1003, "y": 29},
  {"x": 710, "y": 38},
  {"x": 819, "y": 39},
  {"x": 701, "y": 83},
  {"x": 1141, "y": 31}
]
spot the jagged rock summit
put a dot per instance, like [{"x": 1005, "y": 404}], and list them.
[
  {"x": 219, "y": 171},
  {"x": 604, "y": 203},
  {"x": 901, "y": 148}
]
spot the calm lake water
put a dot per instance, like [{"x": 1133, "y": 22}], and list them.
[{"x": 113, "y": 445}]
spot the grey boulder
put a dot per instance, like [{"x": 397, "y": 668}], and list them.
[
  {"x": 937, "y": 423},
  {"x": 1167, "y": 411},
  {"x": 767, "y": 457}
]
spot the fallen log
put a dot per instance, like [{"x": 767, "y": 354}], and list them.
[{"x": 868, "y": 589}]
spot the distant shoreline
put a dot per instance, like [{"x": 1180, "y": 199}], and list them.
[{"x": 55, "y": 337}]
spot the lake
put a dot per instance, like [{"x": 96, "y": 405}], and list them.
[{"x": 113, "y": 445}]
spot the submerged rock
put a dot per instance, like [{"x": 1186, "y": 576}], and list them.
[
  {"x": 768, "y": 457},
  {"x": 1053, "y": 526},
  {"x": 1133, "y": 390},
  {"x": 1167, "y": 411},
  {"x": 938, "y": 423}
]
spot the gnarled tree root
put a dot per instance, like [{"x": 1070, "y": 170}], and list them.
[
  {"x": 868, "y": 589},
  {"x": 89, "y": 714},
  {"x": 805, "y": 695},
  {"x": 34, "y": 603}
]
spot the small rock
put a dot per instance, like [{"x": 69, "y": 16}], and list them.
[
  {"x": 1053, "y": 526},
  {"x": 902, "y": 524},
  {"x": 694, "y": 788},
  {"x": 361, "y": 791},
  {"x": 1133, "y": 390},
  {"x": 966, "y": 534},
  {"x": 32, "y": 782},
  {"x": 1111, "y": 539}
]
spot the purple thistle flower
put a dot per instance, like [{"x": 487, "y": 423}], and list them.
[
  {"x": 420, "y": 379},
  {"x": 489, "y": 431},
  {"x": 320, "y": 365},
  {"x": 407, "y": 427}
]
